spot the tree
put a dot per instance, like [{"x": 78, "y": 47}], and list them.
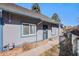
[
  {"x": 36, "y": 8},
  {"x": 55, "y": 17}
]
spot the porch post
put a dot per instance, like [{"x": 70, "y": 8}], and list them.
[
  {"x": 59, "y": 31},
  {"x": 1, "y": 31}
]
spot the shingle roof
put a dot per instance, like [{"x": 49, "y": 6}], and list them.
[
  {"x": 23, "y": 11},
  {"x": 75, "y": 30}
]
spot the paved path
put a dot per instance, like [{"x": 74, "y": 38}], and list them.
[{"x": 37, "y": 51}]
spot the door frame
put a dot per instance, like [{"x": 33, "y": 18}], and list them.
[{"x": 45, "y": 32}]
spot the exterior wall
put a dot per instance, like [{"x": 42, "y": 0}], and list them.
[
  {"x": 12, "y": 34},
  {"x": 74, "y": 43},
  {"x": 55, "y": 31},
  {"x": 12, "y": 30},
  {"x": 49, "y": 31},
  {"x": 39, "y": 32},
  {"x": 50, "y": 26}
]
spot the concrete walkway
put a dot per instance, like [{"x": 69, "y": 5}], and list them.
[{"x": 37, "y": 51}]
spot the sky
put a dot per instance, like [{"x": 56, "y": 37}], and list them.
[{"x": 68, "y": 12}]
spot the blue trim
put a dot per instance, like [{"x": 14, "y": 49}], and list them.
[{"x": 1, "y": 34}]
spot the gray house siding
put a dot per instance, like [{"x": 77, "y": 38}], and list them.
[
  {"x": 74, "y": 43},
  {"x": 39, "y": 32},
  {"x": 13, "y": 25},
  {"x": 12, "y": 32},
  {"x": 49, "y": 30}
]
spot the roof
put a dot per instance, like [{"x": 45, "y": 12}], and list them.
[
  {"x": 23, "y": 11},
  {"x": 75, "y": 30}
]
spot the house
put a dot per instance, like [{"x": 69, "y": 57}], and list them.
[
  {"x": 19, "y": 25},
  {"x": 75, "y": 41},
  {"x": 73, "y": 35}
]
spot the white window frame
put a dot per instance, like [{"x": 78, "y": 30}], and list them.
[{"x": 29, "y": 29}]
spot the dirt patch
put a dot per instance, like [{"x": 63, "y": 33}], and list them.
[
  {"x": 54, "y": 51},
  {"x": 28, "y": 46},
  {"x": 23, "y": 48},
  {"x": 15, "y": 51},
  {"x": 40, "y": 43},
  {"x": 12, "y": 52}
]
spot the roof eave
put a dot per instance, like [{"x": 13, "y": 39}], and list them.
[{"x": 23, "y": 11}]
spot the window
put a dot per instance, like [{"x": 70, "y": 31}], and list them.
[
  {"x": 25, "y": 29},
  {"x": 32, "y": 29},
  {"x": 28, "y": 29}
]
